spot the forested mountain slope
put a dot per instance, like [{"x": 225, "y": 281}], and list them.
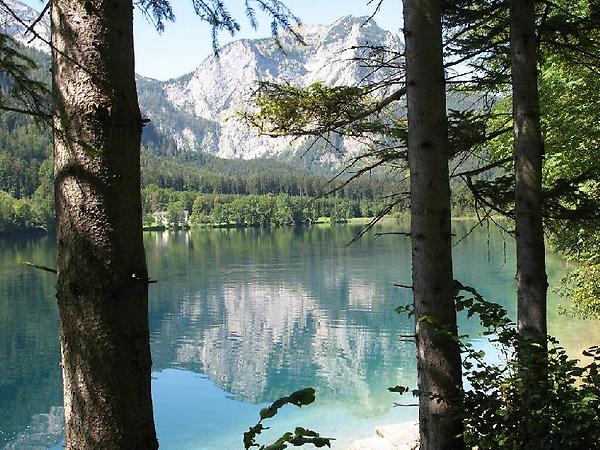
[{"x": 193, "y": 123}]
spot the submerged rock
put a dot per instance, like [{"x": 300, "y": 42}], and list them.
[{"x": 404, "y": 436}]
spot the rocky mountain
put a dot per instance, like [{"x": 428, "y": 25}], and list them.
[
  {"x": 200, "y": 111},
  {"x": 25, "y": 17},
  {"x": 212, "y": 97}
]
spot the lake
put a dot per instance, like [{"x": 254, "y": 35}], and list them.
[{"x": 241, "y": 317}]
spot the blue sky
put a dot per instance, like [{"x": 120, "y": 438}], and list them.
[{"x": 187, "y": 41}]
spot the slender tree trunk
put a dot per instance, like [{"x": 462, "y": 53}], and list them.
[
  {"x": 438, "y": 355},
  {"x": 102, "y": 277},
  {"x": 532, "y": 282},
  {"x": 528, "y": 153}
]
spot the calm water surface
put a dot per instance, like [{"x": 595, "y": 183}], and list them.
[{"x": 242, "y": 317}]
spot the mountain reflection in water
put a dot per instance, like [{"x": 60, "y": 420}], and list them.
[{"x": 241, "y": 317}]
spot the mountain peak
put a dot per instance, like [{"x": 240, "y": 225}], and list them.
[{"x": 221, "y": 87}]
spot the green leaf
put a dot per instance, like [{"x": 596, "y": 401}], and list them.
[{"x": 399, "y": 389}]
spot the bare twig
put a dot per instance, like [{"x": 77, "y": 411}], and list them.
[
  {"x": 377, "y": 8},
  {"x": 483, "y": 169},
  {"x": 399, "y": 233},
  {"x": 38, "y": 266},
  {"x": 37, "y": 20}
]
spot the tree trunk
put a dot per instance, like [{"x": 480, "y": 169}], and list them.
[
  {"x": 532, "y": 282},
  {"x": 438, "y": 355},
  {"x": 102, "y": 278},
  {"x": 528, "y": 152}
]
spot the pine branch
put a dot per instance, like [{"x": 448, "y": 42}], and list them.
[{"x": 28, "y": 112}]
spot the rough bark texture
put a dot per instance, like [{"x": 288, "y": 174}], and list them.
[
  {"x": 438, "y": 356},
  {"x": 531, "y": 266},
  {"x": 102, "y": 277},
  {"x": 528, "y": 152}
]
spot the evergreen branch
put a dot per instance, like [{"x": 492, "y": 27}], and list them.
[
  {"x": 334, "y": 125},
  {"x": 36, "y": 35},
  {"x": 480, "y": 198},
  {"x": 483, "y": 169},
  {"x": 28, "y": 112}
]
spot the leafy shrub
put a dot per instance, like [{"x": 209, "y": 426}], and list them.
[
  {"x": 300, "y": 436},
  {"x": 502, "y": 409}
]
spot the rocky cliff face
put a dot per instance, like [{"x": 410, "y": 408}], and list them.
[
  {"x": 200, "y": 110},
  {"x": 222, "y": 86}
]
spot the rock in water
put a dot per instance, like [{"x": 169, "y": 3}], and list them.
[{"x": 404, "y": 436}]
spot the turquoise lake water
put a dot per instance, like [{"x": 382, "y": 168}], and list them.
[{"x": 242, "y": 317}]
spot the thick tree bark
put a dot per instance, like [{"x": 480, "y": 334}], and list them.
[
  {"x": 438, "y": 355},
  {"x": 528, "y": 153},
  {"x": 102, "y": 276}
]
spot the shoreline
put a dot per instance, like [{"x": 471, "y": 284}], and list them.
[
  {"x": 41, "y": 231},
  {"x": 320, "y": 221},
  {"x": 18, "y": 232}
]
